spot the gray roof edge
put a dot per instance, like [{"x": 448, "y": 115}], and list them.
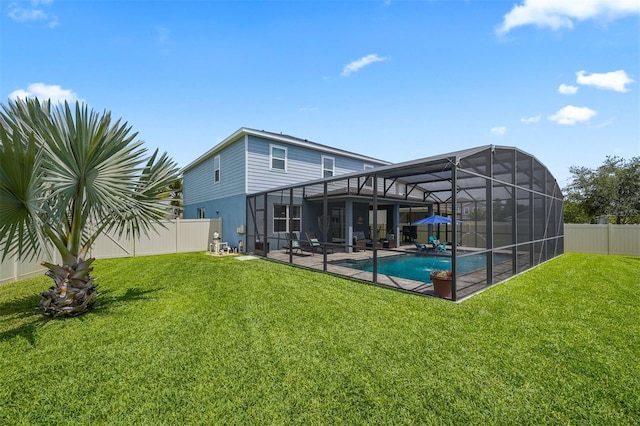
[{"x": 283, "y": 139}]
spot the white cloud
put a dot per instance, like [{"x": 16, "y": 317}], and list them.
[
  {"x": 33, "y": 13},
  {"x": 45, "y": 91},
  {"x": 360, "y": 63},
  {"x": 308, "y": 109},
  {"x": 567, "y": 90},
  {"x": 556, "y": 14},
  {"x": 530, "y": 120},
  {"x": 499, "y": 131},
  {"x": 615, "y": 80},
  {"x": 571, "y": 115}
]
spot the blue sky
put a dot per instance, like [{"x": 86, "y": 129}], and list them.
[{"x": 395, "y": 80}]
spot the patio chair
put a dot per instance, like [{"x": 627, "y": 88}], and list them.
[
  {"x": 436, "y": 244},
  {"x": 360, "y": 241}
]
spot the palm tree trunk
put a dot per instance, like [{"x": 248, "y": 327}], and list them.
[{"x": 74, "y": 291}]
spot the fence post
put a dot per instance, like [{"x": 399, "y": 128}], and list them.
[
  {"x": 177, "y": 233},
  {"x": 609, "y": 237}
]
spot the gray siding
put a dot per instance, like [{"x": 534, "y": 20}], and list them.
[
  {"x": 303, "y": 164},
  {"x": 198, "y": 182}
]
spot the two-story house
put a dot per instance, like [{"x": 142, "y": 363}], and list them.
[{"x": 217, "y": 183}]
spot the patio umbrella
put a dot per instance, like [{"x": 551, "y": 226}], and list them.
[{"x": 433, "y": 220}]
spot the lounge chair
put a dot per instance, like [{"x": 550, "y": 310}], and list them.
[
  {"x": 293, "y": 243},
  {"x": 436, "y": 244},
  {"x": 315, "y": 244}
]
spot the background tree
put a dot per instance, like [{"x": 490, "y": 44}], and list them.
[
  {"x": 612, "y": 190},
  {"x": 66, "y": 176},
  {"x": 174, "y": 195}
]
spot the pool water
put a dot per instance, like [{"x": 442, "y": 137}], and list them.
[{"x": 418, "y": 268}]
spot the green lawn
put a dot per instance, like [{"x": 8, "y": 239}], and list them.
[{"x": 211, "y": 340}]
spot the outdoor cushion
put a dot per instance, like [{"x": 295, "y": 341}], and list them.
[{"x": 359, "y": 236}]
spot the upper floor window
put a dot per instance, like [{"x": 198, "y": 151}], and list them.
[
  {"x": 369, "y": 182},
  {"x": 216, "y": 169},
  {"x": 328, "y": 166},
  {"x": 200, "y": 212},
  {"x": 278, "y": 158}
]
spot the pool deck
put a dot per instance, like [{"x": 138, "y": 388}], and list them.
[{"x": 467, "y": 284}]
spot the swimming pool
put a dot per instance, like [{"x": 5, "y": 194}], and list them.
[{"x": 416, "y": 267}]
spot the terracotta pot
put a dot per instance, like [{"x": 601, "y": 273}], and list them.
[{"x": 441, "y": 286}]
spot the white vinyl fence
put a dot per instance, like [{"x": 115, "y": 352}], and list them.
[
  {"x": 602, "y": 239},
  {"x": 178, "y": 236},
  {"x": 189, "y": 235}
]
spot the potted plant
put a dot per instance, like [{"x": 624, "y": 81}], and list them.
[{"x": 441, "y": 283}]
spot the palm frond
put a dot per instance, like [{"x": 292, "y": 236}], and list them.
[
  {"x": 92, "y": 175},
  {"x": 20, "y": 212}
]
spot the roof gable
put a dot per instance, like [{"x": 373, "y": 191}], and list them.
[{"x": 281, "y": 138}]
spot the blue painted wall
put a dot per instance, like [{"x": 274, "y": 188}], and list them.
[{"x": 230, "y": 209}]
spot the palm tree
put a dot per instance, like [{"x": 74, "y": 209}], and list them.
[
  {"x": 66, "y": 176},
  {"x": 174, "y": 194}
]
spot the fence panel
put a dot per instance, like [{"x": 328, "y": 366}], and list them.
[
  {"x": 179, "y": 236},
  {"x": 13, "y": 270},
  {"x": 109, "y": 246},
  {"x": 624, "y": 239},
  {"x": 196, "y": 234},
  {"x": 164, "y": 241},
  {"x": 602, "y": 239}
]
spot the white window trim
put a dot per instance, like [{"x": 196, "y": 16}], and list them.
[
  {"x": 201, "y": 210},
  {"x": 367, "y": 167},
  {"x": 286, "y": 154},
  {"x": 217, "y": 157},
  {"x": 333, "y": 164},
  {"x": 287, "y": 219}
]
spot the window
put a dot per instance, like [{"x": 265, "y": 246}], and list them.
[
  {"x": 216, "y": 169},
  {"x": 281, "y": 215},
  {"x": 200, "y": 212},
  {"x": 278, "y": 158},
  {"x": 328, "y": 164},
  {"x": 369, "y": 182}
]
